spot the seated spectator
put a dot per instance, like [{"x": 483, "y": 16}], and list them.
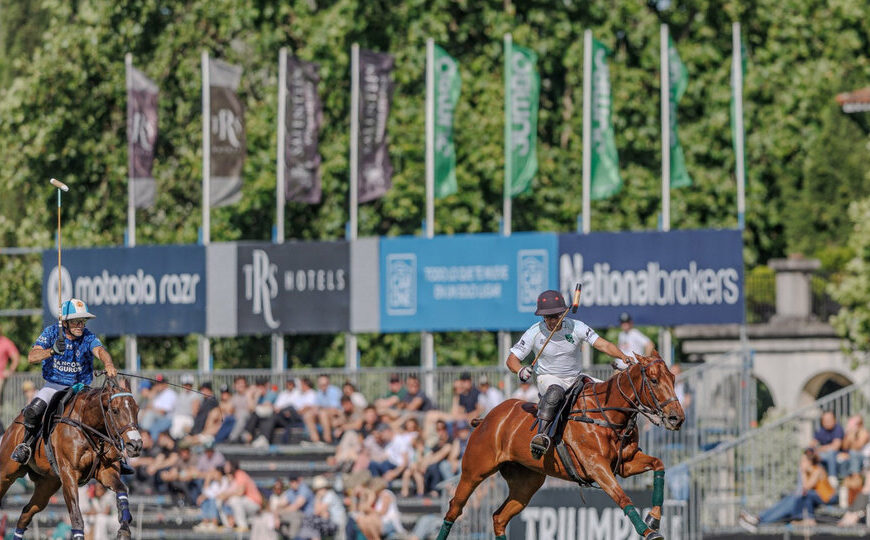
[
  {"x": 466, "y": 405},
  {"x": 828, "y": 440},
  {"x": 186, "y": 406},
  {"x": 526, "y": 392},
  {"x": 328, "y": 407},
  {"x": 285, "y": 414},
  {"x": 388, "y": 405},
  {"x": 242, "y": 496},
  {"x": 181, "y": 477},
  {"x": 349, "y": 418},
  {"x": 157, "y": 416},
  {"x": 241, "y": 407},
  {"x": 415, "y": 400},
  {"x": 261, "y": 400},
  {"x": 815, "y": 490},
  {"x": 349, "y": 454},
  {"x": 328, "y": 516},
  {"x": 359, "y": 401},
  {"x": 298, "y": 502},
  {"x": 209, "y": 418},
  {"x": 859, "y": 499},
  {"x": 381, "y": 518},
  {"x": 490, "y": 396},
  {"x": 164, "y": 457},
  {"x": 209, "y": 460},
  {"x": 416, "y": 468},
  {"x": 850, "y": 459},
  {"x": 396, "y": 451},
  {"x": 99, "y": 511},
  {"x": 212, "y": 508}
]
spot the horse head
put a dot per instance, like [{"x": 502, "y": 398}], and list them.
[
  {"x": 653, "y": 383},
  {"x": 121, "y": 413}
]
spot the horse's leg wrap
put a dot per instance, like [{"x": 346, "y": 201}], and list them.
[
  {"x": 634, "y": 517},
  {"x": 124, "y": 515},
  {"x": 501, "y": 537},
  {"x": 19, "y": 534},
  {"x": 77, "y": 534},
  {"x": 658, "y": 497},
  {"x": 445, "y": 530}
]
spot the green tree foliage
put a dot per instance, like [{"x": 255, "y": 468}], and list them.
[
  {"x": 63, "y": 115},
  {"x": 853, "y": 292}
]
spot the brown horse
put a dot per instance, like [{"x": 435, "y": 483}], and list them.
[
  {"x": 601, "y": 438},
  {"x": 96, "y": 429}
]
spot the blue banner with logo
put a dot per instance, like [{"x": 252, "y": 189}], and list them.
[
  {"x": 149, "y": 290},
  {"x": 659, "y": 278},
  {"x": 464, "y": 282}
]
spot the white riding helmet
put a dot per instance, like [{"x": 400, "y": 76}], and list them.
[{"x": 75, "y": 309}]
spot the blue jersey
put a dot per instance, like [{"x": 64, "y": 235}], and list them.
[{"x": 77, "y": 362}]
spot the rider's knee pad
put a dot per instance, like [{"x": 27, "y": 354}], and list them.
[{"x": 550, "y": 402}]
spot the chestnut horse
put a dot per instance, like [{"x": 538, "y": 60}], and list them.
[
  {"x": 96, "y": 428},
  {"x": 601, "y": 438}
]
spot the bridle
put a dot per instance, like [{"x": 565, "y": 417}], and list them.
[
  {"x": 114, "y": 432},
  {"x": 655, "y": 414}
]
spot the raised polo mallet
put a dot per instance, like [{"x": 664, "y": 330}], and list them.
[
  {"x": 575, "y": 303},
  {"x": 61, "y": 344}
]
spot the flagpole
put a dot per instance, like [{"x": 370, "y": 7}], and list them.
[
  {"x": 737, "y": 68},
  {"x": 664, "y": 333},
  {"x": 427, "y": 339},
  {"x": 131, "y": 349},
  {"x": 587, "y": 155},
  {"x": 350, "y": 341},
  {"x": 504, "y": 338},
  {"x": 666, "y": 131},
  {"x": 278, "y": 363},
  {"x": 204, "y": 353}
]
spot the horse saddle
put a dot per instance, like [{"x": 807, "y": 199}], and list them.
[
  {"x": 50, "y": 419},
  {"x": 562, "y": 417}
]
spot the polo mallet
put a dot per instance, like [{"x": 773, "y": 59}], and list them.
[
  {"x": 60, "y": 187},
  {"x": 575, "y": 303}
]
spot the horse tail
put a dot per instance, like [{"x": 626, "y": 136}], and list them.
[{"x": 476, "y": 422}]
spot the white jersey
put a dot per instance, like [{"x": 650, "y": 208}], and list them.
[
  {"x": 633, "y": 342},
  {"x": 561, "y": 356}
]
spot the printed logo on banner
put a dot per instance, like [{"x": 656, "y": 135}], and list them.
[
  {"x": 532, "y": 267},
  {"x": 402, "y": 284},
  {"x": 261, "y": 286},
  {"x": 66, "y": 288}
]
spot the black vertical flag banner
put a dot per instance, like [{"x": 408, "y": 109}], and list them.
[
  {"x": 303, "y": 117},
  {"x": 227, "y": 152},
  {"x": 141, "y": 137},
  {"x": 376, "y": 94}
]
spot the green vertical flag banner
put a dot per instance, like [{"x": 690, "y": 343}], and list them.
[
  {"x": 734, "y": 99},
  {"x": 448, "y": 85},
  {"x": 605, "y": 161},
  {"x": 679, "y": 79},
  {"x": 522, "y": 89}
]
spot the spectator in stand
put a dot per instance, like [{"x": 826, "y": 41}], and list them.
[
  {"x": 228, "y": 414},
  {"x": 208, "y": 419},
  {"x": 349, "y": 454},
  {"x": 181, "y": 478},
  {"x": 328, "y": 408},
  {"x": 165, "y": 457},
  {"x": 632, "y": 341},
  {"x": 388, "y": 405},
  {"x": 814, "y": 490},
  {"x": 186, "y": 406},
  {"x": 381, "y": 519},
  {"x": 328, "y": 515},
  {"x": 526, "y": 392},
  {"x": 298, "y": 502},
  {"x": 99, "y": 511},
  {"x": 415, "y": 400},
  {"x": 828, "y": 440},
  {"x": 396, "y": 449},
  {"x": 210, "y": 460},
  {"x": 466, "y": 405},
  {"x": 416, "y": 469},
  {"x": 859, "y": 499},
  {"x": 241, "y": 407},
  {"x": 435, "y": 463},
  {"x": 8, "y": 351},
  {"x": 359, "y": 400},
  {"x": 349, "y": 418},
  {"x": 286, "y": 413},
  {"x": 490, "y": 396},
  {"x": 261, "y": 400},
  {"x": 29, "y": 390},
  {"x": 216, "y": 482},
  {"x": 243, "y": 497},
  {"x": 158, "y": 413},
  {"x": 850, "y": 460}
]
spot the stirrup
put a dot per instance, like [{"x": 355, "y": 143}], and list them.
[
  {"x": 539, "y": 445},
  {"x": 22, "y": 453}
]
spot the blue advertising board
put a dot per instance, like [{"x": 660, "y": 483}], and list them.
[
  {"x": 149, "y": 290},
  {"x": 464, "y": 282},
  {"x": 659, "y": 278}
]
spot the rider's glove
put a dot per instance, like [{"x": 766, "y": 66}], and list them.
[
  {"x": 619, "y": 363},
  {"x": 59, "y": 345},
  {"x": 524, "y": 374}
]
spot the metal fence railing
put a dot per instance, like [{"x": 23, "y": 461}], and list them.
[
  {"x": 756, "y": 469},
  {"x": 760, "y": 294}
]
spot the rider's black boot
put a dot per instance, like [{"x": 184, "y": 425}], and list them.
[
  {"x": 31, "y": 418},
  {"x": 125, "y": 468},
  {"x": 547, "y": 410}
]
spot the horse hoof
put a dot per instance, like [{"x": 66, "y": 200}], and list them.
[
  {"x": 652, "y": 522},
  {"x": 124, "y": 534},
  {"x": 654, "y": 535}
]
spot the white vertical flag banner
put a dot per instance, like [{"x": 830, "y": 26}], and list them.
[{"x": 141, "y": 137}]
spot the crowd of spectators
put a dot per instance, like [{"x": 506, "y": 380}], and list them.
[
  {"x": 834, "y": 470},
  {"x": 396, "y": 444}
]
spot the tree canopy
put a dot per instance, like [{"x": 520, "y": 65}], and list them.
[{"x": 62, "y": 113}]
